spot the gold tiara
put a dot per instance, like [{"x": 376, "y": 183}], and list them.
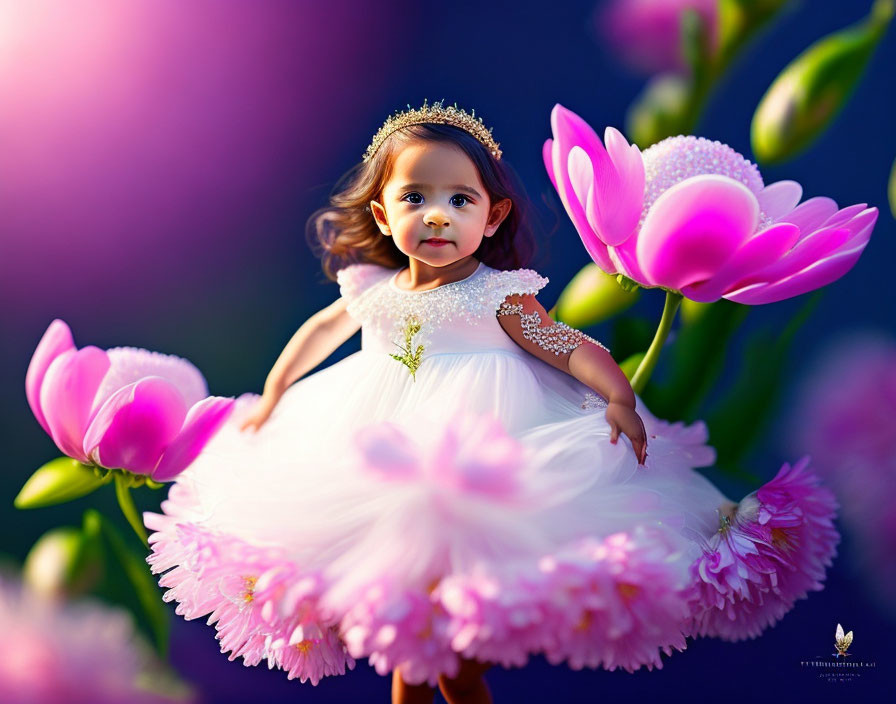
[{"x": 438, "y": 115}]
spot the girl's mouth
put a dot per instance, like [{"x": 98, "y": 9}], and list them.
[{"x": 436, "y": 242}]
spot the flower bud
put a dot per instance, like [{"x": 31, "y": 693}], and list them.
[
  {"x": 62, "y": 564},
  {"x": 891, "y": 190},
  {"x": 657, "y": 112},
  {"x": 58, "y": 481},
  {"x": 814, "y": 87},
  {"x": 591, "y": 297}
]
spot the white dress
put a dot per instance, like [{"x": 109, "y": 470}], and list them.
[{"x": 466, "y": 503}]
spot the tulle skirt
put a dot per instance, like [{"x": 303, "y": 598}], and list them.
[{"x": 478, "y": 510}]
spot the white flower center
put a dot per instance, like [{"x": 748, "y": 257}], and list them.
[{"x": 675, "y": 159}]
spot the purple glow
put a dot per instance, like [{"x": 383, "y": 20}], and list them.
[{"x": 145, "y": 141}]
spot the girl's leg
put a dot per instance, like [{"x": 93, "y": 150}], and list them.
[
  {"x": 404, "y": 693},
  {"x": 468, "y": 687}
]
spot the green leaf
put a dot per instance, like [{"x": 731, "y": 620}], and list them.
[
  {"x": 814, "y": 87},
  {"x": 695, "y": 361},
  {"x": 58, "y": 481},
  {"x": 742, "y": 415},
  {"x": 129, "y": 581}
]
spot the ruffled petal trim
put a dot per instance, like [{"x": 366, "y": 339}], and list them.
[{"x": 354, "y": 279}]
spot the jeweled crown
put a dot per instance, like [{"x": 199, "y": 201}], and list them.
[{"x": 439, "y": 115}]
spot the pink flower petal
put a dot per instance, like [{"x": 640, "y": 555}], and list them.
[
  {"x": 547, "y": 151},
  {"x": 810, "y": 214},
  {"x": 816, "y": 275},
  {"x": 135, "y": 426},
  {"x": 778, "y": 199},
  {"x": 56, "y": 340},
  {"x": 571, "y": 131},
  {"x": 130, "y": 364},
  {"x": 625, "y": 259},
  {"x": 202, "y": 422},
  {"x": 694, "y": 228},
  {"x": 818, "y": 245},
  {"x": 764, "y": 247},
  {"x": 845, "y": 215},
  {"x": 618, "y": 189},
  {"x": 617, "y": 176},
  {"x": 67, "y": 396}
]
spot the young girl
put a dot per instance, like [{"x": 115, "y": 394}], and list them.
[{"x": 455, "y": 494}]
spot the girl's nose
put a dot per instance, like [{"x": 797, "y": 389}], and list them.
[{"x": 436, "y": 218}]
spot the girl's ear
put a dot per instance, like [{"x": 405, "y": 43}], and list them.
[
  {"x": 496, "y": 215},
  {"x": 379, "y": 214}
]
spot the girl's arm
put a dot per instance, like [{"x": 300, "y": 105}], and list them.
[
  {"x": 529, "y": 325},
  {"x": 313, "y": 342}
]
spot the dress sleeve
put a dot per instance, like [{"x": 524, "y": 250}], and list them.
[
  {"x": 508, "y": 283},
  {"x": 354, "y": 279}
]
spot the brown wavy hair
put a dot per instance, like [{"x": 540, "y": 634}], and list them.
[{"x": 344, "y": 232}]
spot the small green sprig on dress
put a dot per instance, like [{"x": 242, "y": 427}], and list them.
[{"x": 411, "y": 359}]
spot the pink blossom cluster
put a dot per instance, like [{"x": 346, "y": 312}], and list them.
[
  {"x": 401, "y": 627},
  {"x": 609, "y": 603},
  {"x": 773, "y": 553},
  {"x": 69, "y": 652},
  {"x": 844, "y": 416},
  {"x": 262, "y": 604},
  {"x": 627, "y": 602},
  {"x": 497, "y": 615},
  {"x": 647, "y": 34}
]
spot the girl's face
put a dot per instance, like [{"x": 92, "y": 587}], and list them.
[{"x": 434, "y": 204}]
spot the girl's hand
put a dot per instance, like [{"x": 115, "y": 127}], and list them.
[
  {"x": 260, "y": 412},
  {"x": 624, "y": 418}
]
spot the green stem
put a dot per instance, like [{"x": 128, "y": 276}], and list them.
[
  {"x": 645, "y": 369},
  {"x": 126, "y": 501},
  {"x": 714, "y": 67}
]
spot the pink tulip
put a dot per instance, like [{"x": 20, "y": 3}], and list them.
[
  {"x": 647, "y": 33},
  {"x": 694, "y": 216},
  {"x": 123, "y": 408}
]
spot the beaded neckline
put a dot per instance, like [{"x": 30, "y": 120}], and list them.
[{"x": 395, "y": 287}]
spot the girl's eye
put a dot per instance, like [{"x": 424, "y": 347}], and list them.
[
  {"x": 414, "y": 198},
  {"x": 459, "y": 201}
]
